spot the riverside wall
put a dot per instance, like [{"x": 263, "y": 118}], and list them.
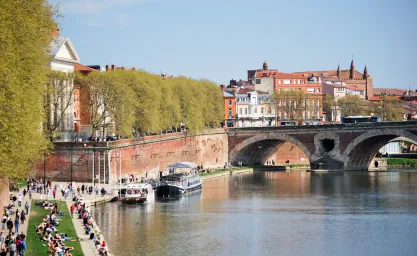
[{"x": 144, "y": 156}]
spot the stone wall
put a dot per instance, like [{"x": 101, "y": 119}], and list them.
[
  {"x": 135, "y": 156},
  {"x": 288, "y": 151}
]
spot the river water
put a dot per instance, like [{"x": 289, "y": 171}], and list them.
[{"x": 274, "y": 213}]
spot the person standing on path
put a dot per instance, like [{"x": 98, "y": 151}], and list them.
[
  {"x": 19, "y": 200},
  {"x": 22, "y": 217},
  {"x": 12, "y": 249},
  {"x": 10, "y": 224},
  {"x": 3, "y": 222},
  {"x": 82, "y": 189},
  {"x": 16, "y": 224},
  {"x": 27, "y": 207},
  {"x": 54, "y": 193}
]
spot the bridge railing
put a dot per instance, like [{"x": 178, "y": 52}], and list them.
[{"x": 324, "y": 126}]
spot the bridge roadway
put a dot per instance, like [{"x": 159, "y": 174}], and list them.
[{"x": 329, "y": 146}]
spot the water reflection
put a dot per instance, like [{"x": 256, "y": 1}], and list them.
[{"x": 343, "y": 213}]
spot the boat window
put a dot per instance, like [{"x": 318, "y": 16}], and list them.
[{"x": 123, "y": 192}]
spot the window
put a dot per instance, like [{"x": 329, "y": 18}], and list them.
[
  {"x": 246, "y": 111},
  {"x": 230, "y": 102},
  {"x": 230, "y": 113},
  {"x": 279, "y": 81},
  {"x": 286, "y": 89},
  {"x": 299, "y": 81},
  {"x": 287, "y": 81},
  {"x": 255, "y": 110},
  {"x": 258, "y": 81},
  {"x": 269, "y": 110},
  {"x": 318, "y": 90},
  {"x": 310, "y": 90},
  {"x": 302, "y": 81},
  {"x": 299, "y": 89},
  {"x": 294, "y": 81},
  {"x": 262, "y": 110}
]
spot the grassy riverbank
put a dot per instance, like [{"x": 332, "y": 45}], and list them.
[
  {"x": 303, "y": 166},
  {"x": 37, "y": 247},
  {"x": 401, "y": 162}
]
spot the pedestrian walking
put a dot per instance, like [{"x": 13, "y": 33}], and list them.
[
  {"x": 82, "y": 189},
  {"x": 1, "y": 240},
  {"x": 19, "y": 200},
  {"x": 12, "y": 249},
  {"x": 22, "y": 217},
  {"x": 16, "y": 225},
  {"x": 10, "y": 224},
  {"x": 27, "y": 208},
  {"x": 24, "y": 192},
  {"x": 3, "y": 221},
  {"x": 78, "y": 190},
  {"x": 54, "y": 193}
]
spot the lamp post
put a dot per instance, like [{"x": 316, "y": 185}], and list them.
[
  {"x": 94, "y": 160},
  {"x": 44, "y": 171}
]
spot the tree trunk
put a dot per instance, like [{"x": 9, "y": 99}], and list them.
[{"x": 4, "y": 191}]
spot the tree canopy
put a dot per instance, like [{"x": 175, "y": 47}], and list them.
[
  {"x": 147, "y": 103},
  {"x": 26, "y": 33}
]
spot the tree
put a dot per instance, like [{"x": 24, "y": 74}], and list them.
[
  {"x": 388, "y": 108},
  {"x": 26, "y": 33},
  {"x": 353, "y": 105},
  {"x": 58, "y": 97},
  {"x": 290, "y": 103},
  {"x": 328, "y": 106}
]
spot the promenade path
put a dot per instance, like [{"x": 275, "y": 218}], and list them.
[{"x": 87, "y": 245}]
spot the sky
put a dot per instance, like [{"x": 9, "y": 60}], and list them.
[{"x": 221, "y": 39}]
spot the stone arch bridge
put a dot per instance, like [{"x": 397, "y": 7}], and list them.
[{"x": 333, "y": 146}]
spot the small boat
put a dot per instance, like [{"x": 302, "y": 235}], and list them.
[
  {"x": 177, "y": 184},
  {"x": 137, "y": 193}
]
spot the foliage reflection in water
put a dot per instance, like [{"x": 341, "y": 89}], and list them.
[{"x": 269, "y": 213}]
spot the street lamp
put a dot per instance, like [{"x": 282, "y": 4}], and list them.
[{"x": 44, "y": 171}]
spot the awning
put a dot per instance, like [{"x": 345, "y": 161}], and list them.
[{"x": 183, "y": 165}]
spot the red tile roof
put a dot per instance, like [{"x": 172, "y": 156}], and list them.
[
  {"x": 378, "y": 98},
  {"x": 80, "y": 67},
  {"x": 389, "y": 91}
]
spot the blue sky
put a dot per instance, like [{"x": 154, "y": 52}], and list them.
[{"x": 221, "y": 39}]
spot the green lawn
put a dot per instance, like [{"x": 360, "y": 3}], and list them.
[
  {"x": 402, "y": 161},
  {"x": 37, "y": 247}
]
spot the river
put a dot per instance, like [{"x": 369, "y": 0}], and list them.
[{"x": 274, "y": 213}]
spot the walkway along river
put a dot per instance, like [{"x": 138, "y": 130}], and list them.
[{"x": 271, "y": 213}]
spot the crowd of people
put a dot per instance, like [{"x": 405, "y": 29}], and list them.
[
  {"x": 83, "y": 213},
  {"x": 47, "y": 230},
  {"x": 12, "y": 239}
]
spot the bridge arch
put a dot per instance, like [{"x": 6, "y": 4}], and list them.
[
  {"x": 257, "y": 149},
  {"x": 360, "y": 152}
]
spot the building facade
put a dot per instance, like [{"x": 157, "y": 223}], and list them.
[{"x": 64, "y": 58}]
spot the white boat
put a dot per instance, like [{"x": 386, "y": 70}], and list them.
[{"x": 137, "y": 193}]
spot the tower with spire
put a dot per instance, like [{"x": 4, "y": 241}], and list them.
[
  {"x": 352, "y": 70},
  {"x": 338, "y": 71},
  {"x": 265, "y": 66}
]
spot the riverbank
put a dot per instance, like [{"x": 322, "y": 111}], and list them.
[
  {"x": 401, "y": 162},
  {"x": 227, "y": 172}
]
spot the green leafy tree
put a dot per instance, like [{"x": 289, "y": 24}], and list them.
[
  {"x": 388, "y": 108},
  {"x": 328, "y": 106},
  {"x": 353, "y": 105},
  {"x": 26, "y": 28}
]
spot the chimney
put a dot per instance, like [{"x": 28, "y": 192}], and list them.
[
  {"x": 107, "y": 68},
  {"x": 112, "y": 67}
]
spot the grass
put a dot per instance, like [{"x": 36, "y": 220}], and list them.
[
  {"x": 37, "y": 247},
  {"x": 402, "y": 161},
  {"x": 21, "y": 183},
  {"x": 226, "y": 170}
]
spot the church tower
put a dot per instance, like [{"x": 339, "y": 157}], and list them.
[
  {"x": 352, "y": 70},
  {"x": 265, "y": 66},
  {"x": 338, "y": 71}
]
